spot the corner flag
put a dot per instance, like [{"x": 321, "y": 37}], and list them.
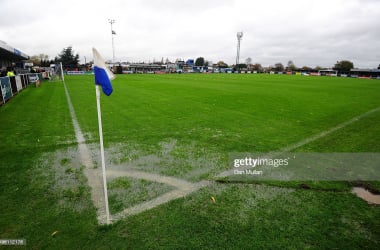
[{"x": 103, "y": 75}]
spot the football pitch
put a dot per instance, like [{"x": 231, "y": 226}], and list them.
[{"x": 183, "y": 127}]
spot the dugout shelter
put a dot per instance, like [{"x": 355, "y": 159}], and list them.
[
  {"x": 9, "y": 86},
  {"x": 10, "y": 55}
]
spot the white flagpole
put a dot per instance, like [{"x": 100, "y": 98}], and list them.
[{"x": 102, "y": 153}]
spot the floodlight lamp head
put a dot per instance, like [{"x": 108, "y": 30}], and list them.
[{"x": 239, "y": 35}]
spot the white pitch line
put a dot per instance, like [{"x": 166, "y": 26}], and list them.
[
  {"x": 329, "y": 131},
  {"x": 94, "y": 179},
  {"x": 168, "y": 180},
  {"x": 183, "y": 187},
  {"x": 94, "y": 176},
  {"x": 82, "y": 147},
  {"x": 162, "y": 199},
  {"x": 310, "y": 139}
]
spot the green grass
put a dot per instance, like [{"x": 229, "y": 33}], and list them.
[
  {"x": 250, "y": 113},
  {"x": 185, "y": 126}
]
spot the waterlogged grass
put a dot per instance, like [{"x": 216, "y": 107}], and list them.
[
  {"x": 125, "y": 192},
  {"x": 189, "y": 120},
  {"x": 169, "y": 157}
]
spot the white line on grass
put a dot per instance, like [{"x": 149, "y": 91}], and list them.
[
  {"x": 94, "y": 176},
  {"x": 183, "y": 187},
  {"x": 113, "y": 172},
  {"x": 95, "y": 181},
  {"x": 162, "y": 199},
  {"x": 310, "y": 139},
  {"x": 327, "y": 132}
]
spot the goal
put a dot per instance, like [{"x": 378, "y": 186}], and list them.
[{"x": 56, "y": 72}]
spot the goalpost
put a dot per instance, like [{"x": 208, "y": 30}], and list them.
[{"x": 56, "y": 72}]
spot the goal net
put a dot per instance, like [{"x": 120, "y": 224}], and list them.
[{"x": 56, "y": 72}]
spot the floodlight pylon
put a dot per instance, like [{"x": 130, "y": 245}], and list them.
[
  {"x": 239, "y": 36},
  {"x": 112, "y": 21}
]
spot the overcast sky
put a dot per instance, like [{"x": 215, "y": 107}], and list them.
[{"x": 308, "y": 32}]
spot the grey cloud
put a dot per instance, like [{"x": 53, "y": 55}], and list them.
[{"x": 307, "y": 32}]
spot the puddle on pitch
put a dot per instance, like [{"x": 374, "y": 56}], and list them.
[{"x": 366, "y": 195}]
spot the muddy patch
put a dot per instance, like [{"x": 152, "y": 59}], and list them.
[{"x": 366, "y": 195}]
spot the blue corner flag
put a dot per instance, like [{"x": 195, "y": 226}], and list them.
[{"x": 103, "y": 75}]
